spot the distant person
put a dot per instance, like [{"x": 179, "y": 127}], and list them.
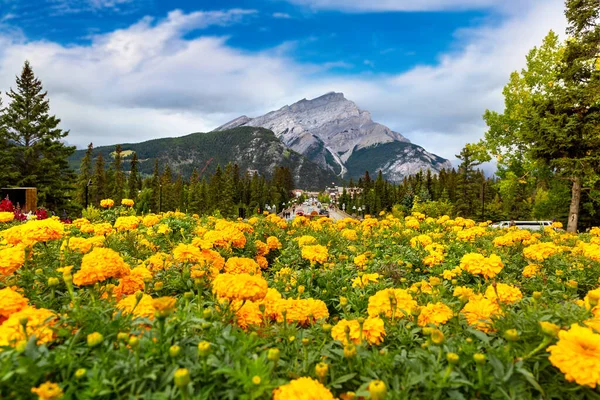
[{"x": 512, "y": 223}]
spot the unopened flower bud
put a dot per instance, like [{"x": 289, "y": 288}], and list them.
[
  {"x": 94, "y": 339},
  {"x": 479, "y": 358},
  {"x": 181, "y": 378}
]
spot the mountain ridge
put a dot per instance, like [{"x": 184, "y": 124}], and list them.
[
  {"x": 330, "y": 129},
  {"x": 252, "y": 148}
]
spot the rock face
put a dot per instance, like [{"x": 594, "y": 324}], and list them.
[{"x": 333, "y": 132}]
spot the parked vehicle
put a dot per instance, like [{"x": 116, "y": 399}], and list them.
[
  {"x": 324, "y": 212},
  {"x": 299, "y": 212},
  {"x": 531, "y": 225}
]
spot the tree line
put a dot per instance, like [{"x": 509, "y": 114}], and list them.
[{"x": 228, "y": 190}]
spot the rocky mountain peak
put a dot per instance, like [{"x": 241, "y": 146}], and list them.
[{"x": 328, "y": 129}]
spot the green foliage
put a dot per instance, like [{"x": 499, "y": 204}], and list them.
[
  {"x": 204, "y": 151},
  {"x": 31, "y": 144}
]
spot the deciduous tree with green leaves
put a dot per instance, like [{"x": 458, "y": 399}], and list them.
[{"x": 552, "y": 108}]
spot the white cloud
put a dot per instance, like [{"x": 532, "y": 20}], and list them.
[
  {"x": 398, "y": 5},
  {"x": 149, "y": 80},
  {"x": 281, "y": 15}
]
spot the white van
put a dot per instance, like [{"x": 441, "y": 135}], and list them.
[{"x": 531, "y": 225}]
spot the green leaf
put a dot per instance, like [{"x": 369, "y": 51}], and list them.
[{"x": 531, "y": 379}]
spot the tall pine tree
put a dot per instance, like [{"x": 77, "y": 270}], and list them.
[
  {"x": 35, "y": 142},
  {"x": 85, "y": 176},
  {"x": 99, "y": 180},
  {"x": 133, "y": 183}
]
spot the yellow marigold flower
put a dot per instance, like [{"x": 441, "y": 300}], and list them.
[
  {"x": 107, "y": 203},
  {"x": 434, "y": 258},
  {"x": 361, "y": 260},
  {"x": 373, "y": 331},
  {"x": 301, "y": 311},
  {"x": 273, "y": 243},
  {"x": 477, "y": 264},
  {"x": 506, "y": 293},
  {"x": 48, "y": 391},
  {"x": 241, "y": 265},
  {"x": 150, "y": 220},
  {"x": 470, "y": 234},
  {"x": 103, "y": 229},
  {"x": 99, "y": 265},
  {"x": 39, "y": 323},
  {"x": 142, "y": 308},
  {"x": 239, "y": 287},
  {"x": 541, "y": 251},
  {"x": 531, "y": 270},
  {"x": 577, "y": 355},
  {"x": 302, "y": 389},
  {"x": 126, "y": 223},
  {"x": 11, "y": 259},
  {"x": 386, "y": 301},
  {"x": 435, "y": 313},
  {"x": 306, "y": 240},
  {"x": 11, "y": 302},
  {"x": 6, "y": 216},
  {"x": 127, "y": 202},
  {"x": 187, "y": 253},
  {"x": 364, "y": 280},
  {"x": 412, "y": 224},
  {"x": 315, "y": 253},
  {"x": 480, "y": 311},
  {"x": 421, "y": 240},
  {"x": 463, "y": 293},
  {"x": 349, "y": 234},
  {"x": 591, "y": 301}
]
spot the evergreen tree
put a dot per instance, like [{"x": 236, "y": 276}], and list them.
[
  {"x": 99, "y": 180},
  {"x": 85, "y": 177},
  {"x": 133, "y": 183},
  {"x": 156, "y": 187},
  {"x": 118, "y": 178},
  {"x": 35, "y": 142},
  {"x": 7, "y": 166}
]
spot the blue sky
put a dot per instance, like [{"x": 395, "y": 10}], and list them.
[{"x": 138, "y": 69}]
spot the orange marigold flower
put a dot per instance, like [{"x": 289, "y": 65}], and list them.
[
  {"x": 241, "y": 265},
  {"x": 577, "y": 355},
  {"x": 480, "y": 311},
  {"x": 11, "y": 259},
  {"x": 11, "y": 302},
  {"x": 273, "y": 243},
  {"x": 239, "y": 287},
  {"x": 99, "y": 265},
  {"x": 435, "y": 313}
]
